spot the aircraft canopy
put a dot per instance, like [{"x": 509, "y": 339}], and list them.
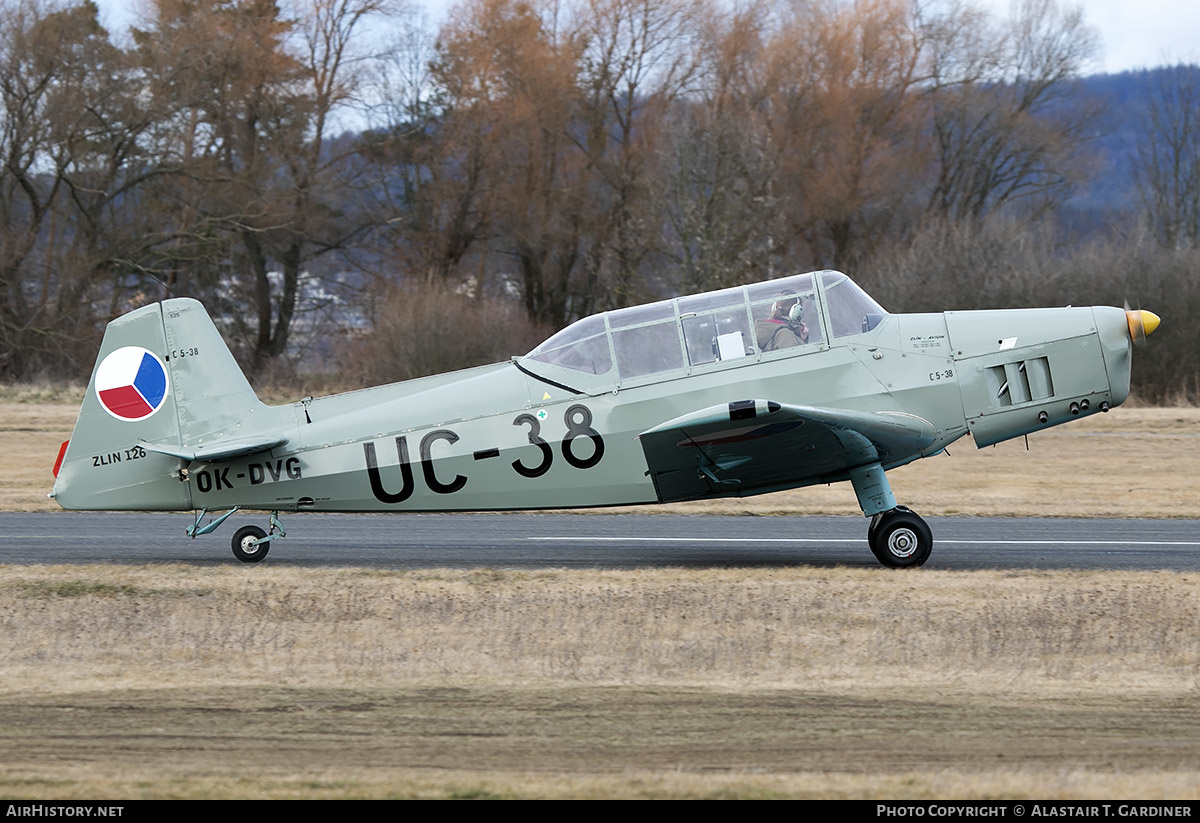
[{"x": 675, "y": 337}]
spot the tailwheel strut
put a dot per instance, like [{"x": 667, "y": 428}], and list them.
[{"x": 250, "y": 543}]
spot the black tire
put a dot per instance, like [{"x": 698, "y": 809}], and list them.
[
  {"x": 874, "y": 524},
  {"x": 900, "y": 539},
  {"x": 877, "y": 519},
  {"x": 244, "y": 548}
]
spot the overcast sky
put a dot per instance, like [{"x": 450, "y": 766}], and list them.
[
  {"x": 1139, "y": 34},
  {"x": 1135, "y": 33}
]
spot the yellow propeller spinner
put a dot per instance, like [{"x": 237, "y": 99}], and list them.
[{"x": 1141, "y": 323}]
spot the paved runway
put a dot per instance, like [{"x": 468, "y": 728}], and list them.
[{"x": 619, "y": 541}]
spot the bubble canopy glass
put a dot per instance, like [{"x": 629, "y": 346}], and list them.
[{"x": 672, "y": 338}]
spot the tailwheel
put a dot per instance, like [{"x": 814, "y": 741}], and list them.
[
  {"x": 246, "y": 545},
  {"x": 900, "y": 539}
]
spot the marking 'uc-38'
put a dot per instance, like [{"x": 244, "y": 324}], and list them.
[{"x": 776, "y": 385}]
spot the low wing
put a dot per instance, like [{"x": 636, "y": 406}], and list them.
[
  {"x": 221, "y": 449},
  {"x": 752, "y": 446}
]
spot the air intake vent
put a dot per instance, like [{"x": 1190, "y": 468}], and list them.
[{"x": 1020, "y": 382}]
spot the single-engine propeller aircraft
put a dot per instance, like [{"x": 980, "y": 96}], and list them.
[{"x": 747, "y": 390}]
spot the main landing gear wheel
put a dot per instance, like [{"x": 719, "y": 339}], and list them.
[
  {"x": 900, "y": 539},
  {"x": 245, "y": 547}
]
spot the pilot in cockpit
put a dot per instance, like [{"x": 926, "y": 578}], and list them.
[{"x": 783, "y": 328}]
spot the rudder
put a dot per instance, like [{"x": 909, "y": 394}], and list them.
[{"x": 213, "y": 399}]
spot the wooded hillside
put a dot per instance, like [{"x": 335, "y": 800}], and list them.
[{"x": 351, "y": 191}]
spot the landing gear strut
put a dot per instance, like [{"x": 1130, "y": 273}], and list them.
[{"x": 898, "y": 538}]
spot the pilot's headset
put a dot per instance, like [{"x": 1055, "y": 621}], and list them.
[{"x": 785, "y": 296}]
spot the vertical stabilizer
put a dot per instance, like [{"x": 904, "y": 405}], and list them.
[{"x": 164, "y": 378}]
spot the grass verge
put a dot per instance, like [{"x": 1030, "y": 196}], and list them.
[{"x": 173, "y": 681}]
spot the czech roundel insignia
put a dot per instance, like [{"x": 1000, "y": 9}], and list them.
[{"x": 131, "y": 383}]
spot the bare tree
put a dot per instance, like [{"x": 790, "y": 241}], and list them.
[
  {"x": 71, "y": 139},
  {"x": 1167, "y": 167},
  {"x": 254, "y": 95},
  {"x": 538, "y": 184},
  {"x": 719, "y": 162},
  {"x": 542, "y": 168},
  {"x": 640, "y": 56},
  {"x": 1004, "y": 124},
  {"x": 865, "y": 125}
]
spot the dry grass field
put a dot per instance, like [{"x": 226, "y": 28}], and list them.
[
  {"x": 179, "y": 681},
  {"x": 239, "y": 681}
]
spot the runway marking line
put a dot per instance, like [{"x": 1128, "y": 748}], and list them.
[{"x": 577, "y": 538}]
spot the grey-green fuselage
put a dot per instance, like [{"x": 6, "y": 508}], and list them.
[{"x": 510, "y": 436}]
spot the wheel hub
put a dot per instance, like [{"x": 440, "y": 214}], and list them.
[{"x": 902, "y": 542}]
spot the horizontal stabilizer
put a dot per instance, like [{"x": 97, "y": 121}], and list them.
[{"x": 221, "y": 450}]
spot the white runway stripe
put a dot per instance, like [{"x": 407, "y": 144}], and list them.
[{"x": 936, "y": 540}]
